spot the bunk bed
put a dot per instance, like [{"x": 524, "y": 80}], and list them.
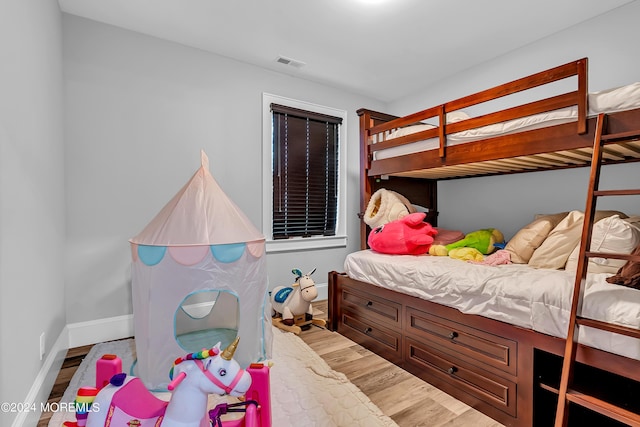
[{"x": 491, "y": 336}]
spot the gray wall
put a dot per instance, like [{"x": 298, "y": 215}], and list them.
[
  {"x": 509, "y": 203},
  {"x": 138, "y": 111},
  {"x": 32, "y": 214}
]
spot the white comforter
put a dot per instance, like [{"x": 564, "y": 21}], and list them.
[{"x": 538, "y": 299}]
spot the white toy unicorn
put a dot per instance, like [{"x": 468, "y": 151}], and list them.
[
  {"x": 291, "y": 305},
  {"x": 126, "y": 401}
]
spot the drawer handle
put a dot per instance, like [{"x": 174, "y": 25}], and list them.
[
  {"x": 453, "y": 335},
  {"x": 369, "y": 304},
  {"x": 366, "y": 331},
  {"x": 452, "y": 370}
]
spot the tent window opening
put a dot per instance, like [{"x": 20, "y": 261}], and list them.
[
  {"x": 305, "y": 173},
  {"x": 206, "y": 317}
]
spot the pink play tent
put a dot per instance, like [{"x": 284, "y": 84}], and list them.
[{"x": 198, "y": 277}]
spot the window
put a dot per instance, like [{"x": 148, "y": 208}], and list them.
[{"x": 305, "y": 174}]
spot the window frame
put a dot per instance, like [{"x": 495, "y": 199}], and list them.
[{"x": 299, "y": 243}]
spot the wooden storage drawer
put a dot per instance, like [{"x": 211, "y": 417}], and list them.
[
  {"x": 380, "y": 310},
  {"x": 455, "y": 376},
  {"x": 475, "y": 347},
  {"x": 383, "y": 341}
]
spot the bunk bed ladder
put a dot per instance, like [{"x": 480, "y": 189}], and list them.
[{"x": 566, "y": 394}]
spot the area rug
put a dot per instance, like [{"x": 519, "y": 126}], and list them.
[{"x": 305, "y": 390}]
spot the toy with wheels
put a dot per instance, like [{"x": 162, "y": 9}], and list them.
[
  {"x": 291, "y": 305},
  {"x": 256, "y": 405},
  {"x": 126, "y": 402}
]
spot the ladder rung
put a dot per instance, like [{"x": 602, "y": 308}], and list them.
[
  {"x": 630, "y": 192},
  {"x": 610, "y": 327},
  {"x": 614, "y": 137},
  {"x": 627, "y": 257},
  {"x": 604, "y": 408}
]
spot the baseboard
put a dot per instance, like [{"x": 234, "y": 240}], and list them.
[
  {"x": 42, "y": 385},
  {"x": 100, "y": 330}
]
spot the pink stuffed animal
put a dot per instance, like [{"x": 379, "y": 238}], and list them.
[{"x": 409, "y": 235}]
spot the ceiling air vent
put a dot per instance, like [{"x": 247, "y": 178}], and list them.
[{"x": 291, "y": 62}]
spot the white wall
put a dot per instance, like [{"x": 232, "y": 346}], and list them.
[
  {"x": 508, "y": 203},
  {"x": 138, "y": 111},
  {"x": 32, "y": 215}
]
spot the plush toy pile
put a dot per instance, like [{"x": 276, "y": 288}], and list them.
[
  {"x": 473, "y": 247},
  {"x": 407, "y": 236},
  {"x": 397, "y": 229}
]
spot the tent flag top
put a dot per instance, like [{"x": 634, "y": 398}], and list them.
[{"x": 199, "y": 214}]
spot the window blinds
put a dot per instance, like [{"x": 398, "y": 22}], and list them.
[{"x": 305, "y": 173}]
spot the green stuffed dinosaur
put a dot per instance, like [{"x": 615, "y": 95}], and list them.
[{"x": 481, "y": 240}]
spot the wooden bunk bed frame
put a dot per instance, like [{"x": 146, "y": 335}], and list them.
[{"x": 507, "y": 372}]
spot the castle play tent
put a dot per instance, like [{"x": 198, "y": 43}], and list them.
[{"x": 198, "y": 277}]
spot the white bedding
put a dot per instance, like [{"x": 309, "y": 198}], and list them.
[
  {"x": 538, "y": 299},
  {"x": 606, "y": 101}
]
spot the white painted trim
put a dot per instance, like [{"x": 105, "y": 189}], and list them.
[
  {"x": 297, "y": 244},
  {"x": 292, "y": 245},
  {"x": 95, "y": 331},
  {"x": 39, "y": 392}
]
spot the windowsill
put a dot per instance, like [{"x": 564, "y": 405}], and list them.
[{"x": 306, "y": 243}]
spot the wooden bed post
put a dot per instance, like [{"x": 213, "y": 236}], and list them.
[
  {"x": 583, "y": 101},
  {"x": 366, "y": 122}
]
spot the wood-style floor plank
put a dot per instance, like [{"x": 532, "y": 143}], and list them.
[{"x": 408, "y": 400}]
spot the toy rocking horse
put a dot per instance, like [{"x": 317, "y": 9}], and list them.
[
  {"x": 291, "y": 305},
  {"x": 126, "y": 402}
]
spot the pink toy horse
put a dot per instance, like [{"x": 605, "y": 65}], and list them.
[{"x": 125, "y": 402}]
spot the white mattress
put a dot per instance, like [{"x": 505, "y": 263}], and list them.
[
  {"x": 606, "y": 101},
  {"x": 538, "y": 299}
]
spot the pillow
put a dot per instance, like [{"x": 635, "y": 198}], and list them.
[
  {"x": 556, "y": 248},
  {"x": 612, "y": 235},
  {"x": 528, "y": 238}
]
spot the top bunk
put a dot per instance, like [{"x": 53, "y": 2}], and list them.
[{"x": 551, "y": 132}]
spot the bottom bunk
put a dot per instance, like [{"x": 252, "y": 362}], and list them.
[{"x": 510, "y": 373}]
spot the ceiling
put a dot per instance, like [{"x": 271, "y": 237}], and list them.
[{"x": 379, "y": 48}]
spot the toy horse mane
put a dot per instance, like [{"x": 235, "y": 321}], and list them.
[
  {"x": 227, "y": 354},
  {"x": 200, "y": 355}
]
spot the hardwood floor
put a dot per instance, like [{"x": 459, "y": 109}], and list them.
[
  {"x": 408, "y": 400},
  {"x": 69, "y": 366}
]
